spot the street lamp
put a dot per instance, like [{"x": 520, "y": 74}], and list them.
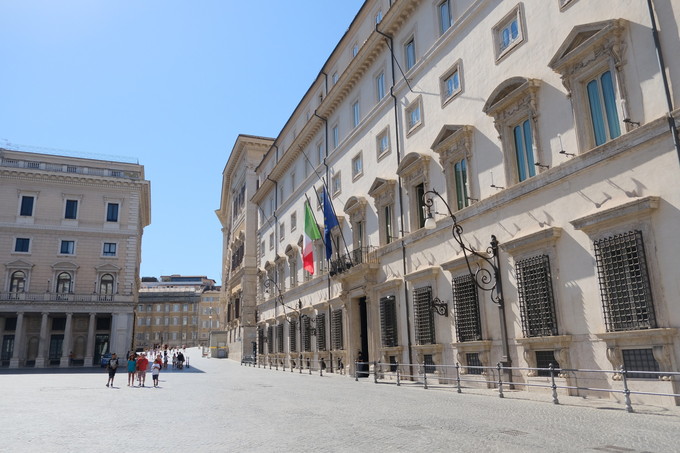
[{"x": 485, "y": 279}]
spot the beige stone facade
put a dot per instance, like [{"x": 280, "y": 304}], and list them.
[
  {"x": 70, "y": 231},
  {"x": 175, "y": 311},
  {"x": 544, "y": 126}
]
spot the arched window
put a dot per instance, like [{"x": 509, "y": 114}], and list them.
[
  {"x": 64, "y": 283},
  {"x": 106, "y": 285},
  {"x": 18, "y": 282}
]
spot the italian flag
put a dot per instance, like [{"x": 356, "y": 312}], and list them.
[{"x": 311, "y": 234}]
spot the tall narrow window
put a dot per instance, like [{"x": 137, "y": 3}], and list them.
[
  {"x": 536, "y": 301},
  {"x": 410, "y": 53},
  {"x": 388, "y": 322},
  {"x": 460, "y": 172},
  {"x": 64, "y": 282},
  {"x": 17, "y": 282},
  {"x": 336, "y": 137},
  {"x": 71, "y": 211},
  {"x": 336, "y": 330},
  {"x": 26, "y": 206},
  {"x": 603, "y": 114},
  {"x": 356, "y": 114},
  {"x": 524, "y": 152},
  {"x": 424, "y": 318},
  {"x": 419, "y": 204},
  {"x": 106, "y": 285},
  {"x": 389, "y": 235},
  {"x": 444, "y": 16},
  {"x": 466, "y": 308},
  {"x": 321, "y": 332},
  {"x": 112, "y": 212},
  {"x": 380, "y": 86}
]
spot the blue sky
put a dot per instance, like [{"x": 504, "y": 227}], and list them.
[{"x": 169, "y": 83}]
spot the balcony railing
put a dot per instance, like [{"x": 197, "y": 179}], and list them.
[
  {"x": 21, "y": 297},
  {"x": 344, "y": 263}
]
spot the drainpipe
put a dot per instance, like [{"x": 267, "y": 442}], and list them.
[
  {"x": 666, "y": 85},
  {"x": 401, "y": 201}
]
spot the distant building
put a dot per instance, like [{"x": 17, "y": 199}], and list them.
[
  {"x": 170, "y": 310},
  {"x": 70, "y": 245}
]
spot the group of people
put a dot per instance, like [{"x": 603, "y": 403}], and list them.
[{"x": 138, "y": 365}]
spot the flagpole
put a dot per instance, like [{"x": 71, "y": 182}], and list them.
[{"x": 312, "y": 212}]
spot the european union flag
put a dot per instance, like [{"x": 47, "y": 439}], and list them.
[{"x": 329, "y": 221}]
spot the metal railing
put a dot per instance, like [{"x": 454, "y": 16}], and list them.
[
  {"x": 292, "y": 364},
  {"x": 17, "y": 297},
  {"x": 362, "y": 255}
]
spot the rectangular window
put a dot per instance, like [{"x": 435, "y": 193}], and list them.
[
  {"x": 424, "y": 318},
  {"x": 380, "y": 86},
  {"x": 293, "y": 221},
  {"x": 461, "y": 180},
  {"x": 536, "y": 300},
  {"x": 624, "y": 282},
  {"x": 271, "y": 241},
  {"x": 336, "y": 184},
  {"x": 306, "y": 334},
  {"x": 640, "y": 360},
  {"x": 112, "y": 212},
  {"x": 320, "y": 153},
  {"x": 109, "y": 249},
  {"x": 356, "y": 114},
  {"x": 444, "y": 16},
  {"x": 389, "y": 236},
  {"x": 388, "y": 322},
  {"x": 419, "y": 204},
  {"x": 473, "y": 363},
  {"x": 383, "y": 143},
  {"x": 67, "y": 247},
  {"x": 410, "y": 53},
  {"x": 292, "y": 337},
  {"x": 466, "y": 308},
  {"x": 336, "y": 137},
  {"x": 543, "y": 360},
  {"x": 334, "y": 78},
  {"x": 71, "y": 211},
  {"x": 22, "y": 245},
  {"x": 336, "y": 330},
  {"x": 603, "y": 113},
  {"x": 282, "y": 231},
  {"x": 357, "y": 166},
  {"x": 508, "y": 33},
  {"x": 26, "y": 209},
  {"x": 452, "y": 84},
  {"x": 413, "y": 115},
  {"x": 524, "y": 153}
]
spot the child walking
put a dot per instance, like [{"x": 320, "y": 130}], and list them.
[{"x": 156, "y": 370}]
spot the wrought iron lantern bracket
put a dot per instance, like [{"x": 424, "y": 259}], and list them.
[{"x": 439, "y": 307}]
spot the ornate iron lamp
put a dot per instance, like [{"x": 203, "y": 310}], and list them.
[{"x": 487, "y": 280}]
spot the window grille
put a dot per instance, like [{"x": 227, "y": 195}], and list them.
[
  {"x": 543, "y": 360},
  {"x": 321, "y": 332},
  {"x": 388, "y": 322},
  {"x": 306, "y": 337},
  {"x": 536, "y": 300},
  {"x": 466, "y": 308},
  {"x": 424, "y": 318},
  {"x": 624, "y": 282},
  {"x": 393, "y": 364},
  {"x": 260, "y": 340},
  {"x": 270, "y": 339},
  {"x": 279, "y": 338},
  {"x": 473, "y": 363},
  {"x": 292, "y": 337},
  {"x": 640, "y": 360},
  {"x": 428, "y": 362},
  {"x": 336, "y": 330}
]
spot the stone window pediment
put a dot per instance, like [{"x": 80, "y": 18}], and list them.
[
  {"x": 413, "y": 166},
  {"x": 382, "y": 189},
  {"x": 514, "y": 92},
  {"x": 19, "y": 264},
  {"x": 107, "y": 268},
  {"x": 65, "y": 266},
  {"x": 639, "y": 209},
  {"x": 355, "y": 208},
  {"x": 291, "y": 250}
]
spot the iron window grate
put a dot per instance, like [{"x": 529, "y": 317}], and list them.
[
  {"x": 388, "y": 322},
  {"x": 260, "y": 340},
  {"x": 624, "y": 282},
  {"x": 536, "y": 300},
  {"x": 292, "y": 338},
  {"x": 321, "y": 332},
  {"x": 543, "y": 360},
  {"x": 429, "y": 364},
  {"x": 466, "y": 308},
  {"x": 336, "y": 329},
  {"x": 640, "y": 360},
  {"x": 279, "y": 338},
  {"x": 270, "y": 339},
  {"x": 424, "y": 318},
  {"x": 473, "y": 363}
]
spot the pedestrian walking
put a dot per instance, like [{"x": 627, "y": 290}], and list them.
[
  {"x": 156, "y": 370},
  {"x": 131, "y": 368},
  {"x": 112, "y": 366},
  {"x": 142, "y": 366}
]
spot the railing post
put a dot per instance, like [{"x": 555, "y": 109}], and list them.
[
  {"x": 424, "y": 377},
  {"x": 500, "y": 381},
  {"x": 309, "y": 366},
  {"x": 458, "y": 378},
  {"x": 321, "y": 368},
  {"x": 356, "y": 373},
  {"x": 375, "y": 372},
  {"x": 398, "y": 375},
  {"x": 626, "y": 390},
  {"x": 276, "y": 365},
  {"x": 554, "y": 387},
  {"x": 284, "y": 365}
]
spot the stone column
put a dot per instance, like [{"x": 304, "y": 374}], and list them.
[
  {"x": 66, "y": 345},
  {"x": 42, "y": 342},
  {"x": 89, "y": 348},
  {"x": 18, "y": 341}
]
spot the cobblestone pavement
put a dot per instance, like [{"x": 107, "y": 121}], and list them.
[{"x": 218, "y": 406}]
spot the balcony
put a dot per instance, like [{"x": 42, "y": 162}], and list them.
[
  {"x": 21, "y": 298},
  {"x": 356, "y": 260}
]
